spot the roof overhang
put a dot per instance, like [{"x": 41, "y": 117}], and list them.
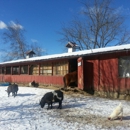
[{"x": 76, "y": 54}]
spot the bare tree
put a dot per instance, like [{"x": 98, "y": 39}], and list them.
[
  {"x": 99, "y": 25},
  {"x": 17, "y": 46},
  {"x": 39, "y": 51}
]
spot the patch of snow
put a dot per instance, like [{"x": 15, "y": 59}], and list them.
[{"x": 79, "y": 112}]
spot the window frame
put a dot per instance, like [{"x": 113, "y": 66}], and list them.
[
  {"x": 60, "y": 68},
  {"x": 124, "y": 67},
  {"x": 8, "y": 70},
  {"x": 15, "y": 70},
  {"x": 46, "y": 69},
  {"x": 25, "y": 69}
]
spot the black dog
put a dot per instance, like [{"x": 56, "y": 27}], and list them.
[
  {"x": 52, "y": 97},
  {"x": 12, "y": 88}
]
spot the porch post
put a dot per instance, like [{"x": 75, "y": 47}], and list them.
[{"x": 80, "y": 73}]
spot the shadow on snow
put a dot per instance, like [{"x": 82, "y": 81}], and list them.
[{"x": 25, "y": 94}]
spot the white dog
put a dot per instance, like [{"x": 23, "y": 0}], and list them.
[{"x": 117, "y": 113}]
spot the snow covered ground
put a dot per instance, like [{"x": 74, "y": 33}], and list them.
[{"x": 79, "y": 112}]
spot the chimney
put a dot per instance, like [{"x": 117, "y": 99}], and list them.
[
  {"x": 72, "y": 46},
  {"x": 30, "y": 54}
]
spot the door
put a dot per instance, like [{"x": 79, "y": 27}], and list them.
[{"x": 88, "y": 77}]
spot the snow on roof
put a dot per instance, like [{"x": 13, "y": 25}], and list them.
[{"x": 76, "y": 54}]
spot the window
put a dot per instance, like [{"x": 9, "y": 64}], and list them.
[
  {"x": 8, "y": 70},
  {"x": 3, "y": 70},
  {"x": 46, "y": 69},
  {"x": 0, "y": 70},
  {"x": 24, "y": 69},
  {"x": 60, "y": 68},
  {"x": 15, "y": 69},
  {"x": 34, "y": 70},
  {"x": 124, "y": 66}
]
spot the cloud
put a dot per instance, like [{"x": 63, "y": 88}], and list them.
[
  {"x": 34, "y": 40},
  {"x": 11, "y": 24},
  {"x": 15, "y": 26},
  {"x": 123, "y": 11},
  {"x": 3, "y": 25}
]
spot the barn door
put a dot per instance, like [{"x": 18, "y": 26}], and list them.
[
  {"x": 72, "y": 65},
  {"x": 88, "y": 76}
]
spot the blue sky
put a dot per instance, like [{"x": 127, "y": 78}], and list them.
[{"x": 43, "y": 18}]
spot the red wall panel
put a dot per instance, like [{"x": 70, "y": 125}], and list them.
[
  {"x": 104, "y": 72},
  {"x": 55, "y": 80},
  {"x": 108, "y": 74},
  {"x": 124, "y": 84}
]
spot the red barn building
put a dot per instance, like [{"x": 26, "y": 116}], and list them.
[{"x": 103, "y": 71}]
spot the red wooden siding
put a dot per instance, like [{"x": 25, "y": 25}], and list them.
[
  {"x": 124, "y": 85},
  {"x": 108, "y": 75},
  {"x": 101, "y": 74},
  {"x": 56, "y": 80}
]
